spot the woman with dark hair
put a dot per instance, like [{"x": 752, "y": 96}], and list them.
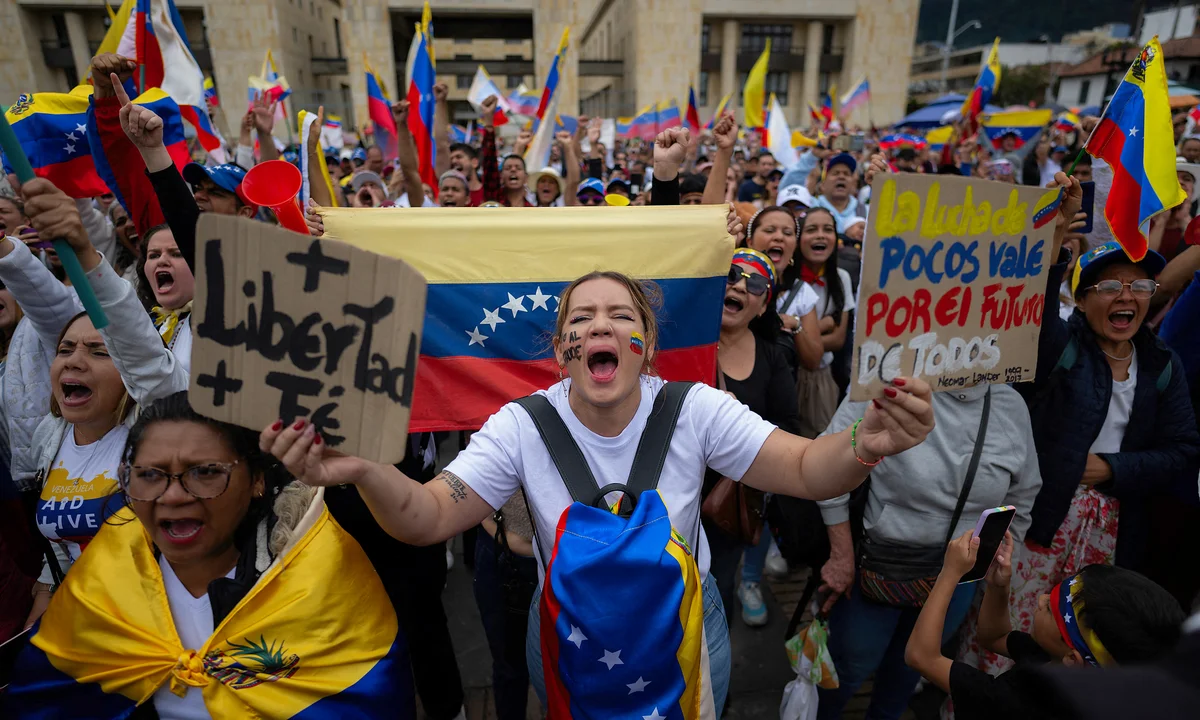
[
  {"x": 817, "y": 391},
  {"x": 210, "y": 532}
]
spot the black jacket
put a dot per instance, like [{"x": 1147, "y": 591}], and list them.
[{"x": 1068, "y": 405}]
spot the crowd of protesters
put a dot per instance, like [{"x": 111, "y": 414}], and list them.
[{"x": 1099, "y": 454}]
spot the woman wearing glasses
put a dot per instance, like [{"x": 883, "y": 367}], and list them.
[
  {"x": 1111, "y": 420},
  {"x": 96, "y": 379}
]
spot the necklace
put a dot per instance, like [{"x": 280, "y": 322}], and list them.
[{"x": 1118, "y": 359}]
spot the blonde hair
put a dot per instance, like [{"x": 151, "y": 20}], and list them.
[{"x": 647, "y": 300}]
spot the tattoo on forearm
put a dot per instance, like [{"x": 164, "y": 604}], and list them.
[{"x": 458, "y": 489}]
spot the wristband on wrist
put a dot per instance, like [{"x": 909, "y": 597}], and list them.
[{"x": 854, "y": 446}]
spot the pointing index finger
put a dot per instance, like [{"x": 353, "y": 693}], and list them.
[{"x": 119, "y": 89}]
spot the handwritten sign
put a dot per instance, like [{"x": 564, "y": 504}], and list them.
[
  {"x": 953, "y": 282},
  {"x": 286, "y": 326}
]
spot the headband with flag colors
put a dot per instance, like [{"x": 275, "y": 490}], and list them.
[
  {"x": 1136, "y": 138},
  {"x": 985, "y": 87},
  {"x": 754, "y": 91},
  {"x": 551, "y": 85},
  {"x": 1070, "y": 614},
  {"x": 757, "y": 260},
  {"x": 692, "y": 120},
  {"x": 859, "y": 94},
  {"x": 717, "y": 113},
  {"x": 1024, "y": 125}
]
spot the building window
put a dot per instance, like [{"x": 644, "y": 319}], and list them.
[
  {"x": 754, "y": 37},
  {"x": 827, "y": 40},
  {"x": 702, "y": 90},
  {"x": 512, "y": 41},
  {"x": 337, "y": 35},
  {"x": 777, "y": 82},
  {"x": 705, "y": 36},
  {"x": 1084, "y": 87},
  {"x": 513, "y": 81},
  {"x": 463, "y": 82},
  {"x": 295, "y": 36},
  {"x": 461, "y": 40}
]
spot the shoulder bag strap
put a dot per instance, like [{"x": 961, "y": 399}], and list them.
[
  {"x": 973, "y": 467},
  {"x": 787, "y": 299},
  {"x": 656, "y": 438},
  {"x": 567, "y": 457}
]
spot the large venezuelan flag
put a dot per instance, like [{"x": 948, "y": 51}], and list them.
[
  {"x": 668, "y": 115},
  {"x": 173, "y": 138},
  {"x": 316, "y": 637},
  {"x": 53, "y": 131},
  {"x": 495, "y": 276},
  {"x": 1135, "y": 137}
]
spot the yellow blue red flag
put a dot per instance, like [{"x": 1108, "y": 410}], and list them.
[
  {"x": 52, "y": 130},
  {"x": 985, "y": 85},
  {"x": 315, "y": 637},
  {"x": 1135, "y": 137},
  {"x": 1023, "y": 125}
]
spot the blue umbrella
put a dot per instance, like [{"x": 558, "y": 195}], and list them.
[{"x": 930, "y": 116}]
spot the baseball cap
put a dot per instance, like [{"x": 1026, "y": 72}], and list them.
[
  {"x": 1059, "y": 148},
  {"x": 591, "y": 184},
  {"x": 842, "y": 159},
  {"x": 1095, "y": 260},
  {"x": 1193, "y": 169},
  {"x": 363, "y": 178},
  {"x": 795, "y": 193},
  {"x": 228, "y": 177},
  {"x": 359, "y": 154},
  {"x": 618, "y": 181}
]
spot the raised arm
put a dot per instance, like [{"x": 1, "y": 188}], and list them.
[
  {"x": 835, "y": 464},
  {"x": 318, "y": 191},
  {"x": 410, "y": 164},
  {"x": 264, "y": 124},
  {"x": 670, "y": 150},
  {"x": 45, "y": 301},
  {"x": 487, "y": 152},
  {"x": 441, "y": 129},
  {"x": 725, "y": 133}
]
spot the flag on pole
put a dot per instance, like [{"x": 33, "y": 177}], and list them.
[
  {"x": 482, "y": 87},
  {"x": 552, "y": 78},
  {"x": 331, "y": 134},
  {"x": 779, "y": 136},
  {"x": 1135, "y": 137},
  {"x": 421, "y": 104},
  {"x": 1024, "y": 125},
  {"x": 210, "y": 93},
  {"x": 828, "y": 113},
  {"x": 692, "y": 121},
  {"x": 717, "y": 113},
  {"x": 379, "y": 107},
  {"x": 524, "y": 101},
  {"x": 985, "y": 86},
  {"x": 860, "y": 93},
  {"x": 537, "y": 155},
  {"x": 668, "y": 115},
  {"x": 754, "y": 91}
]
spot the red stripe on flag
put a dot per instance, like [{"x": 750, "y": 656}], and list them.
[
  {"x": 1124, "y": 202},
  {"x": 76, "y": 177},
  {"x": 558, "y": 700},
  {"x": 461, "y": 393}
]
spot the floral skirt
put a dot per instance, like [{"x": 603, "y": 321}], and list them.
[{"x": 1087, "y": 536}]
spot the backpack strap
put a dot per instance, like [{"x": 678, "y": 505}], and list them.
[
  {"x": 656, "y": 441},
  {"x": 567, "y": 457},
  {"x": 1164, "y": 378},
  {"x": 1069, "y": 354}
]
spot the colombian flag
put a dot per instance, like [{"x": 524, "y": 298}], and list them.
[
  {"x": 488, "y": 322},
  {"x": 1025, "y": 125},
  {"x": 316, "y": 637},
  {"x": 985, "y": 85},
  {"x": 1135, "y": 137},
  {"x": 53, "y": 131}
]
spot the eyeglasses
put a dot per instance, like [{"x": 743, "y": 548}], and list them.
[
  {"x": 1141, "y": 289},
  {"x": 591, "y": 199},
  {"x": 755, "y": 284},
  {"x": 147, "y": 484}
]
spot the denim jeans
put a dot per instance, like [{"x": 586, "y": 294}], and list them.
[
  {"x": 505, "y": 629},
  {"x": 756, "y": 556},
  {"x": 866, "y": 637},
  {"x": 716, "y": 634}
]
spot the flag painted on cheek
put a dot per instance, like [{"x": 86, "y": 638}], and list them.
[
  {"x": 637, "y": 343},
  {"x": 495, "y": 280}
]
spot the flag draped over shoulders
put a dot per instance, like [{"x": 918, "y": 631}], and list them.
[{"x": 316, "y": 637}]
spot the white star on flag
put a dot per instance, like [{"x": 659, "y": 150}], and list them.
[
  {"x": 515, "y": 304},
  {"x": 576, "y": 636},
  {"x": 72, "y": 137},
  {"x": 492, "y": 318},
  {"x": 69, "y": 148},
  {"x": 654, "y": 716},
  {"x": 612, "y": 658},
  {"x": 81, "y": 129},
  {"x": 477, "y": 337},
  {"x": 638, "y": 686},
  {"x": 539, "y": 300},
  {"x": 1074, "y": 580},
  {"x": 1066, "y": 618},
  {"x": 1133, "y": 131}
]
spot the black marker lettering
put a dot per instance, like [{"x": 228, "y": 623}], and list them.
[
  {"x": 219, "y": 384},
  {"x": 337, "y": 341},
  {"x": 213, "y": 327},
  {"x": 305, "y": 347},
  {"x": 316, "y": 262},
  {"x": 266, "y": 345},
  {"x": 369, "y": 316}
]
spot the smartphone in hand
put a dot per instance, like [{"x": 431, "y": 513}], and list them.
[
  {"x": 990, "y": 529},
  {"x": 1089, "y": 205}
]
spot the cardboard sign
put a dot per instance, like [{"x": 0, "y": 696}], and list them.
[
  {"x": 287, "y": 326},
  {"x": 953, "y": 282}
]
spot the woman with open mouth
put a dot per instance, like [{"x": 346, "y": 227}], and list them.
[
  {"x": 1112, "y": 421},
  {"x": 96, "y": 379},
  {"x": 817, "y": 391},
  {"x": 210, "y": 531},
  {"x": 605, "y": 345},
  {"x": 773, "y": 231},
  {"x": 173, "y": 285}
]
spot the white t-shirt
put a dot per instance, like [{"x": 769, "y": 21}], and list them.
[
  {"x": 403, "y": 202},
  {"x": 76, "y": 497},
  {"x": 1048, "y": 171},
  {"x": 800, "y": 305},
  {"x": 825, "y": 306},
  {"x": 194, "y": 622},
  {"x": 1066, "y": 301},
  {"x": 1119, "y": 407},
  {"x": 713, "y": 430}
]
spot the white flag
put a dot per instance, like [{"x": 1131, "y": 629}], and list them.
[
  {"x": 779, "y": 136},
  {"x": 483, "y": 86}
]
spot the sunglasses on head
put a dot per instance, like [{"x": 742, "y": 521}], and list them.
[
  {"x": 755, "y": 284},
  {"x": 591, "y": 199},
  {"x": 1142, "y": 289}
]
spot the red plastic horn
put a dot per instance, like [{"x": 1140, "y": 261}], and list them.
[{"x": 275, "y": 184}]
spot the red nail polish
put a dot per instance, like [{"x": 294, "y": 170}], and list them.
[
  {"x": 890, "y": 392},
  {"x": 877, "y": 404},
  {"x": 317, "y": 440},
  {"x": 898, "y": 382},
  {"x": 277, "y": 426},
  {"x": 299, "y": 425}
]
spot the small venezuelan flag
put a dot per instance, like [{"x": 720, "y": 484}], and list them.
[
  {"x": 1135, "y": 137},
  {"x": 1047, "y": 208},
  {"x": 53, "y": 132}
]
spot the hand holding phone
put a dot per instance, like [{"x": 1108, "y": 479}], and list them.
[
  {"x": 1088, "y": 206},
  {"x": 991, "y": 531}
]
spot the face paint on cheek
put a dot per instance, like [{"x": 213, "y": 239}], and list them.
[
  {"x": 575, "y": 351},
  {"x": 637, "y": 343}
]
